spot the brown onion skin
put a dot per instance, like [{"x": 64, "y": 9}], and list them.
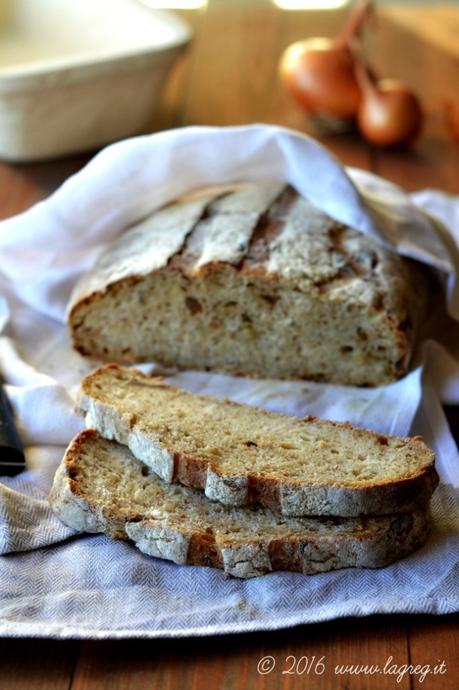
[
  {"x": 390, "y": 115},
  {"x": 320, "y": 76}
]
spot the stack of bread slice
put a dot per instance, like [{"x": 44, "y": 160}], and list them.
[{"x": 202, "y": 481}]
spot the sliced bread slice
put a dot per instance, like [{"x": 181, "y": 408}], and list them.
[
  {"x": 101, "y": 487},
  {"x": 240, "y": 454}
]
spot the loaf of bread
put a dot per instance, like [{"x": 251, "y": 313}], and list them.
[
  {"x": 254, "y": 281},
  {"x": 101, "y": 487},
  {"x": 241, "y": 454}
]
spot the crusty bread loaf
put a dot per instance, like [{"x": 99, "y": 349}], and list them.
[
  {"x": 253, "y": 281},
  {"x": 101, "y": 487},
  {"x": 240, "y": 454}
]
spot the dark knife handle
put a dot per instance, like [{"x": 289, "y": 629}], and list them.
[{"x": 12, "y": 458}]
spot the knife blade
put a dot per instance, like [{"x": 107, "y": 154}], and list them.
[{"x": 12, "y": 459}]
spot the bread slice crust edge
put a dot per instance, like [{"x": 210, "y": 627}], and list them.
[
  {"x": 287, "y": 498},
  {"x": 388, "y": 539}
]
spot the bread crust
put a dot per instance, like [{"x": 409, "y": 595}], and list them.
[
  {"x": 286, "y": 498},
  {"x": 371, "y": 545}
]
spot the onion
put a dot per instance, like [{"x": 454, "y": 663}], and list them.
[
  {"x": 320, "y": 76},
  {"x": 319, "y": 72},
  {"x": 389, "y": 113}
]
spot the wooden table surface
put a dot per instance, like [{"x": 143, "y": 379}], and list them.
[{"x": 229, "y": 77}]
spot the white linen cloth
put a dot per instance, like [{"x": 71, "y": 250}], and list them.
[{"x": 54, "y": 582}]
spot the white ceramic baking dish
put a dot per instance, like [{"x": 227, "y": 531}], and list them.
[{"x": 76, "y": 74}]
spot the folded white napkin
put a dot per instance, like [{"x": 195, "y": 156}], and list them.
[{"x": 64, "y": 590}]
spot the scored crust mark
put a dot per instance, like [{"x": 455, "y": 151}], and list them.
[
  {"x": 313, "y": 247},
  {"x": 225, "y": 231},
  {"x": 270, "y": 225},
  {"x": 182, "y": 258},
  {"x": 292, "y": 466},
  {"x": 110, "y": 494}
]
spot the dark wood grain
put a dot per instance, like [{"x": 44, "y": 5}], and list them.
[
  {"x": 229, "y": 76},
  {"x": 232, "y": 662},
  {"x": 37, "y": 664},
  {"x": 351, "y": 651},
  {"x": 433, "y": 641}
]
